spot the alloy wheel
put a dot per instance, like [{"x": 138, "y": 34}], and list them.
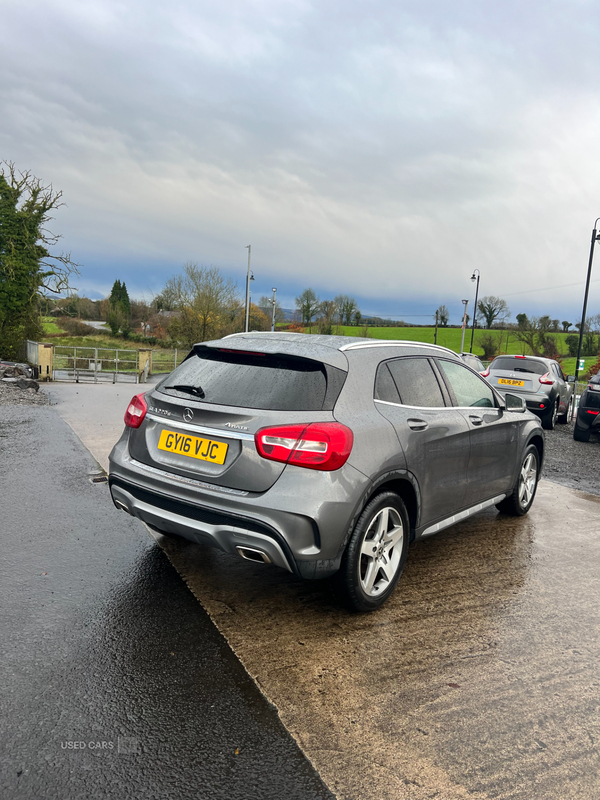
[
  {"x": 381, "y": 551},
  {"x": 527, "y": 480}
]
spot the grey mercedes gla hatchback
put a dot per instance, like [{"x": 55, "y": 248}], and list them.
[{"x": 323, "y": 455}]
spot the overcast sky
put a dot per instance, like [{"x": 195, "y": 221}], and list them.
[{"x": 382, "y": 148}]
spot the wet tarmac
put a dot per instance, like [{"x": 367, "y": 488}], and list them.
[
  {"x": 478, "y": 679},
  {"x": 113, "y": 681}
]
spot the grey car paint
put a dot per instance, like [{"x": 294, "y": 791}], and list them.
[{"x": 300, "y": 519}]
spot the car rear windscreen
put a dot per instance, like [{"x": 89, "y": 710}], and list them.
[
  {"x": 255, "y": 380},
  {"x": 519, "y": 365}
]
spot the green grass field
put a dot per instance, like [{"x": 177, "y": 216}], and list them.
[
  {"x": 451, "y": 338},
  {"x": 446, "y": 337},
  {"x": 49, "y": 325}
]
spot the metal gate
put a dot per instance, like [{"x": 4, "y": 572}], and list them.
[{"x": 95, "y": 365}]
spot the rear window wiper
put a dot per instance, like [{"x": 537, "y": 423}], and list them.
[{"x": 195, "y": 390}]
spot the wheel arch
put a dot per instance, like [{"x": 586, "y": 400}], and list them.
[
  {"x": 538, "y": 442},
  {"x": 405, "y": 486}
]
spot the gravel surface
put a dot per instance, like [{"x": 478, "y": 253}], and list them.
[
  {"x": 570, "y": 463},
  {"x": 11, "y": 395}
]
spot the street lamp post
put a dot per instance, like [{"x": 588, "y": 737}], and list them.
[
  {"x": 473, "y": 278},
  {"x": 595, "y": 237},
  {"x": 273, "y": 303},
  {"x": 464, "y": 325},
  {"x": 249, "y": 277}
]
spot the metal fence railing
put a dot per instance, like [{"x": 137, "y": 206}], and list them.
[
  {"x": 167, "y": 360},
  {"x": 94, "y": 364}
]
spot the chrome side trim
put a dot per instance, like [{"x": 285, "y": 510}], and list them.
[
  {"x": 472, "y": 409},
  {"x": 404, "y": 343},
  {"x": 416, "y": 408},
  {"x": 468, "y": 512},
  {"x": 223, "y": 433},
  {"x": 188, "y": 481}
]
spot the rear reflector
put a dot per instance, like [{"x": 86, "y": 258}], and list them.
[
  {"x": 136, "y": 411},
  {"x": 317, "y": 445}
]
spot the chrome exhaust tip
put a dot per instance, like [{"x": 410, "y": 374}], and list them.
[{"x": 251, "y": 554}]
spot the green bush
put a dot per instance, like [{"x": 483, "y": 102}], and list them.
[{"x": 75, "y": 327}]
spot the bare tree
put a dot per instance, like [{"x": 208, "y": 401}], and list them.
[
  {"x": 535, "y": 333},
  {"x": 308, "y": 305},
  {"x": 492, "y": 308},
  {"x": 328, "y": 314},
  {"x": 208, "y": 304},
  {"x": 346, "y": 307},
  {"x": 443, "y": 315}
]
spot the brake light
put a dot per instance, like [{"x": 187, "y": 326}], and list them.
[
  {"x": 547, "y": 379},
  {"x": 520, "y": 356},
  {"x": 486, "y": 373},
  {"x": 136, "y": 411},
  {"x": 317, "y": 445},
  {"x": 589, "y": 411}
]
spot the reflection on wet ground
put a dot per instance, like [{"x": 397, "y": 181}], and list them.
[{"x": 477, "y": 679}]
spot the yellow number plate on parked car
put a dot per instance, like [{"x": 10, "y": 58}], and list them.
[
  {"x": 510, "y": 382},
  {"x": 193, "y": 446}
]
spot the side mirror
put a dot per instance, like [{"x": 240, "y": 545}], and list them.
[
  {"x": 570, "y": 378},
  {"x": 514, "y": 403}
]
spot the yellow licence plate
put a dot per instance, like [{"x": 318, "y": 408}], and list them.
[
  {"x": 193, "y": 446},
  {"x": 510, "y": 382}
]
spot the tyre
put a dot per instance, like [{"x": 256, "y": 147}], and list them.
[
  {"x": 549, "y": 420},
  {"x": 519, "y": 501},
  {"x": 375, "y": 556},
  {"x": 580, "y": 435},
  {"x": 562, "y": 419}
]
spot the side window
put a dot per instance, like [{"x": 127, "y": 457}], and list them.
[
  {"x": 416, "y": 382},
  {"x": 469, "y": 389},
  {"x": 385, "y": 388},
  {"x": 557, "y": 371}
]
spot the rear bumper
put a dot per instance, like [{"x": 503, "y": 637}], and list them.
[
  {"x": 300, "y": 524},
  {"x": 185, "y": 520},
  {"x": 587, "y": 422},
  {"x": 533, "y": 400}
]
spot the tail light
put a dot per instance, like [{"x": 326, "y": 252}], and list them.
[
  {"x": 136, "y": 411},
  {"x": 589, "y": 411},
  {"x": 317, "y": 445},
  {"x": 485, "y": 374},
  {"x": 547, "y": 379}
]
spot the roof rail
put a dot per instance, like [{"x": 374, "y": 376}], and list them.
[{"x": 403, "y": 343}]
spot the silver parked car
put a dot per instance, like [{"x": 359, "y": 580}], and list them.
[
  {"x": 474, "y": 362},
  {"x": 323, "y": 455},
  {"x": 539, "y": 381}
]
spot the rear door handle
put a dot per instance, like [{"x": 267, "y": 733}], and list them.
[
  {"x": 475, "y": 420},
  {"x": 416, "y": 424}
]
